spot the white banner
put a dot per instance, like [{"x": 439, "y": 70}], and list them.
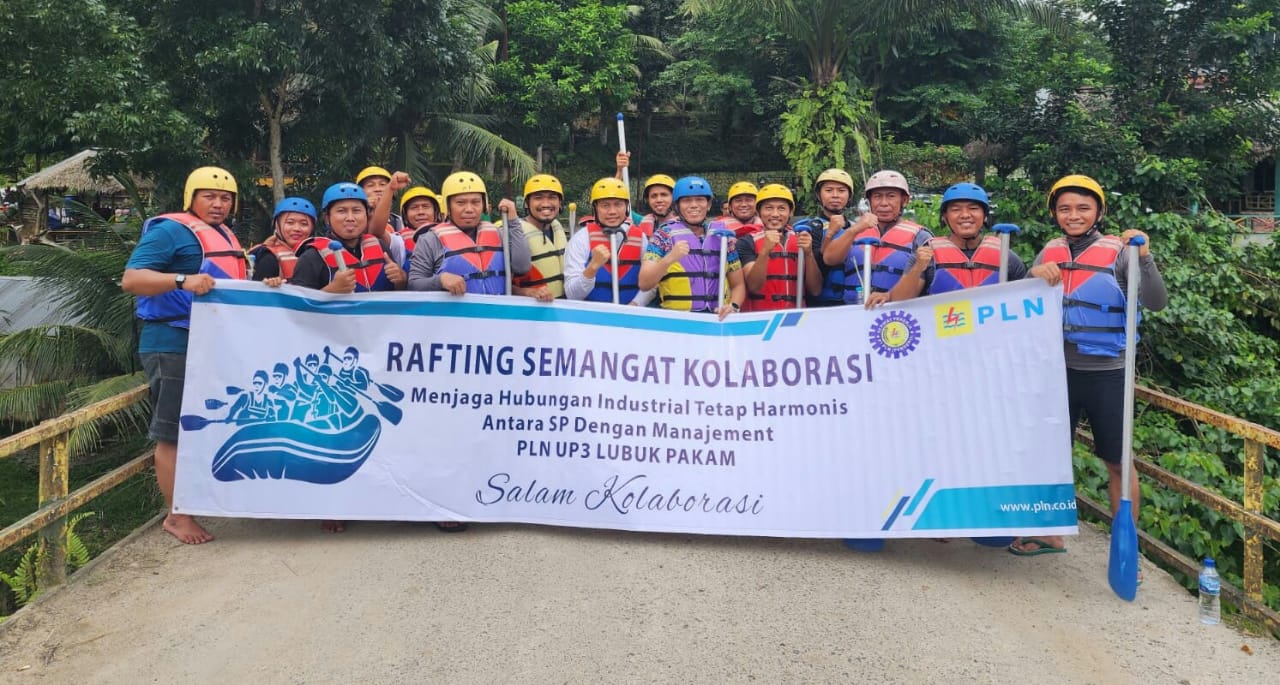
[{"x": 944, "y": 416}]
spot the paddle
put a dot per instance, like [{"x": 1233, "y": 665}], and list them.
[
  {"x": 613, "y": 263},
  {"x": 867, "y": 245},
  {"x": 213, "y": 405},
  {"x": 800, "y": 291},
  {"x": 1005, "y": 231},
  {"x": 391, "y": 392},
  {"x": 622, "y": 147},
  {"x": 722, "y": 278},
  {"x": 1122, "y": 568},
  {"x": 191, "y": 422}
]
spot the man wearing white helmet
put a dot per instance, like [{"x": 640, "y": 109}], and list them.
[{"x": 887, "y": 193}]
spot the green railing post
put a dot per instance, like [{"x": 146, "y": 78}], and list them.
[
  {"x": 1253, "y": 453},
  {"x": 54, "y": 466}
]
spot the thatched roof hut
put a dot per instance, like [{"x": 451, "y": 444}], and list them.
[{"x": 75, "y": 173}]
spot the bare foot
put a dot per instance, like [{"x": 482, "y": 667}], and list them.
[
  {"x": 186, "y": 529},
  {"x": 333, "y": 526}
]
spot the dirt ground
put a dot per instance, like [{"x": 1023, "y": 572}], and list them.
[{"x": 280, "y": 602}]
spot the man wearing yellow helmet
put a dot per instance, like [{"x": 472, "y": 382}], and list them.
[
  {"x": 657, "y": 197},
  {"x": 543, "y": 197},
  {"x": 421, "y": 208},
  {"x": 741, "y": 217},
  {"x": 770, "y": 258},
  {"x": 376, "y": 182},
  {"x": 1094, "y": 276},
  {"x": 464, "y": 253},
  {"x": 179, "y": 256},
  {"x": 588, "y": 263}
]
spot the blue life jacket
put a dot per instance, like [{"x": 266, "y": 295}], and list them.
[
  {"x": 1093, "y": 305},
  {"x": 833, "y": 276},
  {"x": 955, "y": 271},
  {"x": 888, "y": 259},
  {"x": 629, "y": 254}
]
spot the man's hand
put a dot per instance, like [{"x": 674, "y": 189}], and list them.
[
  {"x": 343, "y": 282},
  {"x": 876, "y": 299},
  {"x": 924, "y": 257},
  {"x": 771, "y": 239},
  {"x": 679, "y": 251},
  {"x": 198, "y": 284},
  {"x": 599, "y": 256},
  {"x": 622, "y": 160},
  {"x": 836, "y": 223},
  {"x": 455, "y": 284},
  {"x": 507, "y": 208},
  {"x": 1144, "y": 249},
  {"x": 725, "y": 310},
  {"x": 804, "y": 240},
  {"x": 273, "y": 282},
  {"x": 867, "y": 220},
  {"x": 399, "y": 181},
  {"x": 394, "y": 273},
  {"x": 1048, "y": 271},
  {"x": 540, "y": 293}
]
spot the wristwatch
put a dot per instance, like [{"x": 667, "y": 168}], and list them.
[
  {"x": 736, "y": 307},
  {"x": 180, "y": 279}
]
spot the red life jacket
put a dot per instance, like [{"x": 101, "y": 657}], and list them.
[
  {"x": 408, "y": 235},
  {"x": 958, "y": 272},
  {"x": 779, "y": 291},
  {"x": 223, "y": 250},
  {"x": 368, "y": 266},
  {"x": 286, "y": 256},
  {"x": 479, "y": 261},
  {"x": 629, "y": 255}
]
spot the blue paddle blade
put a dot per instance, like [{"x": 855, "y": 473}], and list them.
[{"x": 1122, "y": 569}]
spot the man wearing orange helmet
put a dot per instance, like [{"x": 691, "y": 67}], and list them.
[
  {"x": 1094, "y": 276},
  {"x": 896, "y": 240},
  {"x": 178, "y": 257},
  {"x": 543, "y": 198}
]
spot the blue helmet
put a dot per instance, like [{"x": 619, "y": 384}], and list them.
[
  {"x": 692, "y": 186},
  {"x": 971, "y": 192},
  {"x": 294, "y": 204},
  {"x": 343, "y": 191}
]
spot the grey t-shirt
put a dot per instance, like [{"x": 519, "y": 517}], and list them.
[{"x": 428, "y": 257}]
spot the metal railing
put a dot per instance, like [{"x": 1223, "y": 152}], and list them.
[
  {"x": 55, "y": 501},
  {"x": 1249, "y": 514}
]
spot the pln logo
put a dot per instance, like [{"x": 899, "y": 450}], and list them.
[
  {"x": 962, "y": 318},
  {"x": 954, "y": 318}
]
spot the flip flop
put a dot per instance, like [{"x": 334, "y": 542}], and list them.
[
  {"x": 1042, "y": 547},
  {"x": 456, "y": 527}
]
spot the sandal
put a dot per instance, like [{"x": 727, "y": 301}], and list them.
[
  {"x": 450, "y": 526},
  {"x": 1041, "y": 547}
]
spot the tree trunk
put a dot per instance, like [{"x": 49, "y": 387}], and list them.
[{"x": 275, "y": 115}]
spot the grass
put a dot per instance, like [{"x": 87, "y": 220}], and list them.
[{"x": 117, "y": 512}]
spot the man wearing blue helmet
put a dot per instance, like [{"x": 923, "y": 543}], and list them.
[
  {"x": 365, "y": 265},
  {"x": 683, "y": 257},
  {"x": 293, "y": 223},
  {"x": 964, "y": 258}
]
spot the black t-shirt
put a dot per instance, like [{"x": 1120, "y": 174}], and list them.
[
  {"x": 311, "y": 271},
  {"x": 265, "y": 264}
]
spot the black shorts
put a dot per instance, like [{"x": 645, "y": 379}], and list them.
[
  {"x": 1099, "y": 397},
  {"x": 166, "y": 373}
]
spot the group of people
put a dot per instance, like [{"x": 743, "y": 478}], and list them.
[{"x": 758, "y": 256}]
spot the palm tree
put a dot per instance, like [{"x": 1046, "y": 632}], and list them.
[{"x": 65, "y": 366}]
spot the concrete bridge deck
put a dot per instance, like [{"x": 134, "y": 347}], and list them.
[{"x": 280, "y": 602}]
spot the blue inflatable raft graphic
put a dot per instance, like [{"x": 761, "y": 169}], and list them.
[{"x": 296, "y": 452}]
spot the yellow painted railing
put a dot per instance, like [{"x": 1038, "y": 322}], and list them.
[
  {"x": 1248, "y": 514},
  {"x": 49, "y": 521}
]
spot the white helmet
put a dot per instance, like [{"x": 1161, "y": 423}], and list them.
[{"x": 887, "y": 179}]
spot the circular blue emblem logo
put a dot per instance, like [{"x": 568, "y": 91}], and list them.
[{"x": 894, "y": 334}]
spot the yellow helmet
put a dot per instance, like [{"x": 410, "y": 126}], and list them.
[
  {"x": 837, "y": 175},
  {"x": 775, "y": 191},
  {"x": 462, "y": 182},
  {"x": 1079, "y": 182},
  {"x": 609, "y": 188},
  {"x": 371, "y": 172},
  {"x": 543, "y": 182},
  {"x": 743, "y": 188},
  {"x": 211, "y": 178},
  {"x": 416, "y": 192},
  {"x": 658, "y": 180}
]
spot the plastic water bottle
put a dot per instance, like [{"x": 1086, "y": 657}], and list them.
[{"x": 1210, "y": 588}]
